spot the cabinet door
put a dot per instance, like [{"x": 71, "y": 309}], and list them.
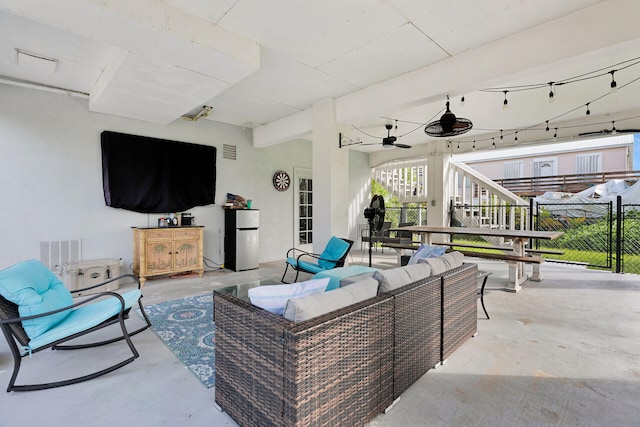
[
  {"x": 186, "y": 254},
  {"x": 159, "y": 257}
]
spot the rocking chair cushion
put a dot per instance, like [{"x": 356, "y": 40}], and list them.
[
  {"x": 35, "y": 289},
  {"x": 85, "y": 317},
  {"x": 305, "y": 265},
  {"x": 334, "y": 250}
]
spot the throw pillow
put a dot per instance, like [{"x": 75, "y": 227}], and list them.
[
  {"x": 274, "y": 298},
  {"x": 426, "y": 251},
  {"x": 305, "y": 308}
]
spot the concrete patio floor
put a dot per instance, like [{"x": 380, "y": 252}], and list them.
[{"x": 564, "y": 351}]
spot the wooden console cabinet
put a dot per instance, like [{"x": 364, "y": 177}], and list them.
[{"x": 160, "y": 251}]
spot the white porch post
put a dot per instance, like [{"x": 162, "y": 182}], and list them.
[
  {"x": 330, "y": 177},
  {"x": 438, "y": 189}
]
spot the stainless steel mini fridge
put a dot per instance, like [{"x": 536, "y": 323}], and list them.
[{"x": 241, "y": 240}]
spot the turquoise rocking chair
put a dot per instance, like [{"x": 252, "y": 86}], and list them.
[
  {"x": 333, "y": 256},
  {"x": 38, "y": 312}
]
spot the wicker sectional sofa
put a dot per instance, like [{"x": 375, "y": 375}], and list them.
[{"x": 344, "y": 367}]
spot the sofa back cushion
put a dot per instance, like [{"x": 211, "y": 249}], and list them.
[
  {"x": 445, "y": 262},
  {"x": 305, "y": 308},
  {"x": 400, "y": 276},
  {"x": 36, "y": 290},
  {"x": 274, "y": 298}
]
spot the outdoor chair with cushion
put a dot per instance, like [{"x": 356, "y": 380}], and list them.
[
  {"x": 333, "y": 256},
  {"x": 377, "y": 236},
  {"x": 38, "y": 312}
]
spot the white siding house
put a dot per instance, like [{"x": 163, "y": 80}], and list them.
[{"x": 611, "y": 154}]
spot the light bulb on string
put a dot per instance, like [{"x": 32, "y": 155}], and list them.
[
  {"x": 474, "y": 146},
  {"x": 614, "y": 85},
  {"x": 462, "y": 101},
  {"x": 501, "y": 136},
  {"x": 552, "y": 96},
  {"x": 396, "y": 124},
  {"x": 555, "y": 134},
  {"x": 516, "y": 136},
  {"x": 613, "y": 129},
  {"x": 588, "y": 111},
  {"x": 547, "y": 126},
  {"x": 505, "y": 103},
  {"x": 458, "y": 145},
  {"x": 494, "y": 145}
]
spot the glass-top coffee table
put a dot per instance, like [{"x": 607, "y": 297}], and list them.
[{"x": 241, "y": 291}]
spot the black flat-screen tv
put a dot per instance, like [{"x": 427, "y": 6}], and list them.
[{"x": 152, "y": 175}]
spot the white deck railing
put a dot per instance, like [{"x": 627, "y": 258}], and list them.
[{"x": 477, "y": 200}]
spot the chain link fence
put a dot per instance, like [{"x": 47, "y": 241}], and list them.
[
  {"x": 628, "y": 231},
  {"x": 406, "y": 214},
  {"x": 587, "y": 228}
]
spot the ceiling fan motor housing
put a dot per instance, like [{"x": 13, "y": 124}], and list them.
[{"x": 447, "y": 121}]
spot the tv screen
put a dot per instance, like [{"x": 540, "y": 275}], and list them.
[{"x": 152, "y": 175}]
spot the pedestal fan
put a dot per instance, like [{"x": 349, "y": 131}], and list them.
[{"x": 375, "y": 216}]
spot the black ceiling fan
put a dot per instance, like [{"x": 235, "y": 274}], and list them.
[
  {"x": 390, "y": 141},
  {"x": 448, "y": 125}
]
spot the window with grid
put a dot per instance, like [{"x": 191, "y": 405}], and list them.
[{"x": 305, "y": 194}]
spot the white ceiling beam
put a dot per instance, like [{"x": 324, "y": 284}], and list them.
[
  {"x": 519, "y": 56},
  {"x": 170, "y": 58}
]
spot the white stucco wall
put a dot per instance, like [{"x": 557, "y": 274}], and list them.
[{"x": 51, "y": 179}]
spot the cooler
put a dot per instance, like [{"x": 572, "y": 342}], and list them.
[{"x": 80, "y": 275}]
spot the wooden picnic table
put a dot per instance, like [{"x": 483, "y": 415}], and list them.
[{"x": 519, "y": 239}]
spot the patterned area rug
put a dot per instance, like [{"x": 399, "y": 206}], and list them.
[{"x": 186, "y": 327}]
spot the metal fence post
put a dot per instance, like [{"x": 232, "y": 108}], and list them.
[
  {"x": 451, "y": 212},
  {"x": 619, "y": 219},
  {"x": 531, "y": 220}
]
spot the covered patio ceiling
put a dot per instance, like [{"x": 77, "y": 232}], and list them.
[{"x": 264, "y": 64}]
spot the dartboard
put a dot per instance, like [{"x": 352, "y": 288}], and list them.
[{"x": 281, "y": 180}]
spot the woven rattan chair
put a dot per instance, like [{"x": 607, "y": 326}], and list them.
[
  {"x": 333, "y": 256},
  {"x": 37, "y": 312}
]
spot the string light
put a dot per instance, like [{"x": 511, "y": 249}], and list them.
[
  {"x": 552, "y": 95},
  {"x": 474, "y": 146},
  {"x": 614, "y": 85},
  {"x": 613, "y": 129},
  {"x": 623, "y": 65}
]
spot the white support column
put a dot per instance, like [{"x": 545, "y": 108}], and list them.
[
  {"x": 438, "y": 189},
  {"x": 330, "y": 177}
]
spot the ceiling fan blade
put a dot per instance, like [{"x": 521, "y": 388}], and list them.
[{"x": 402, "y": 145}]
